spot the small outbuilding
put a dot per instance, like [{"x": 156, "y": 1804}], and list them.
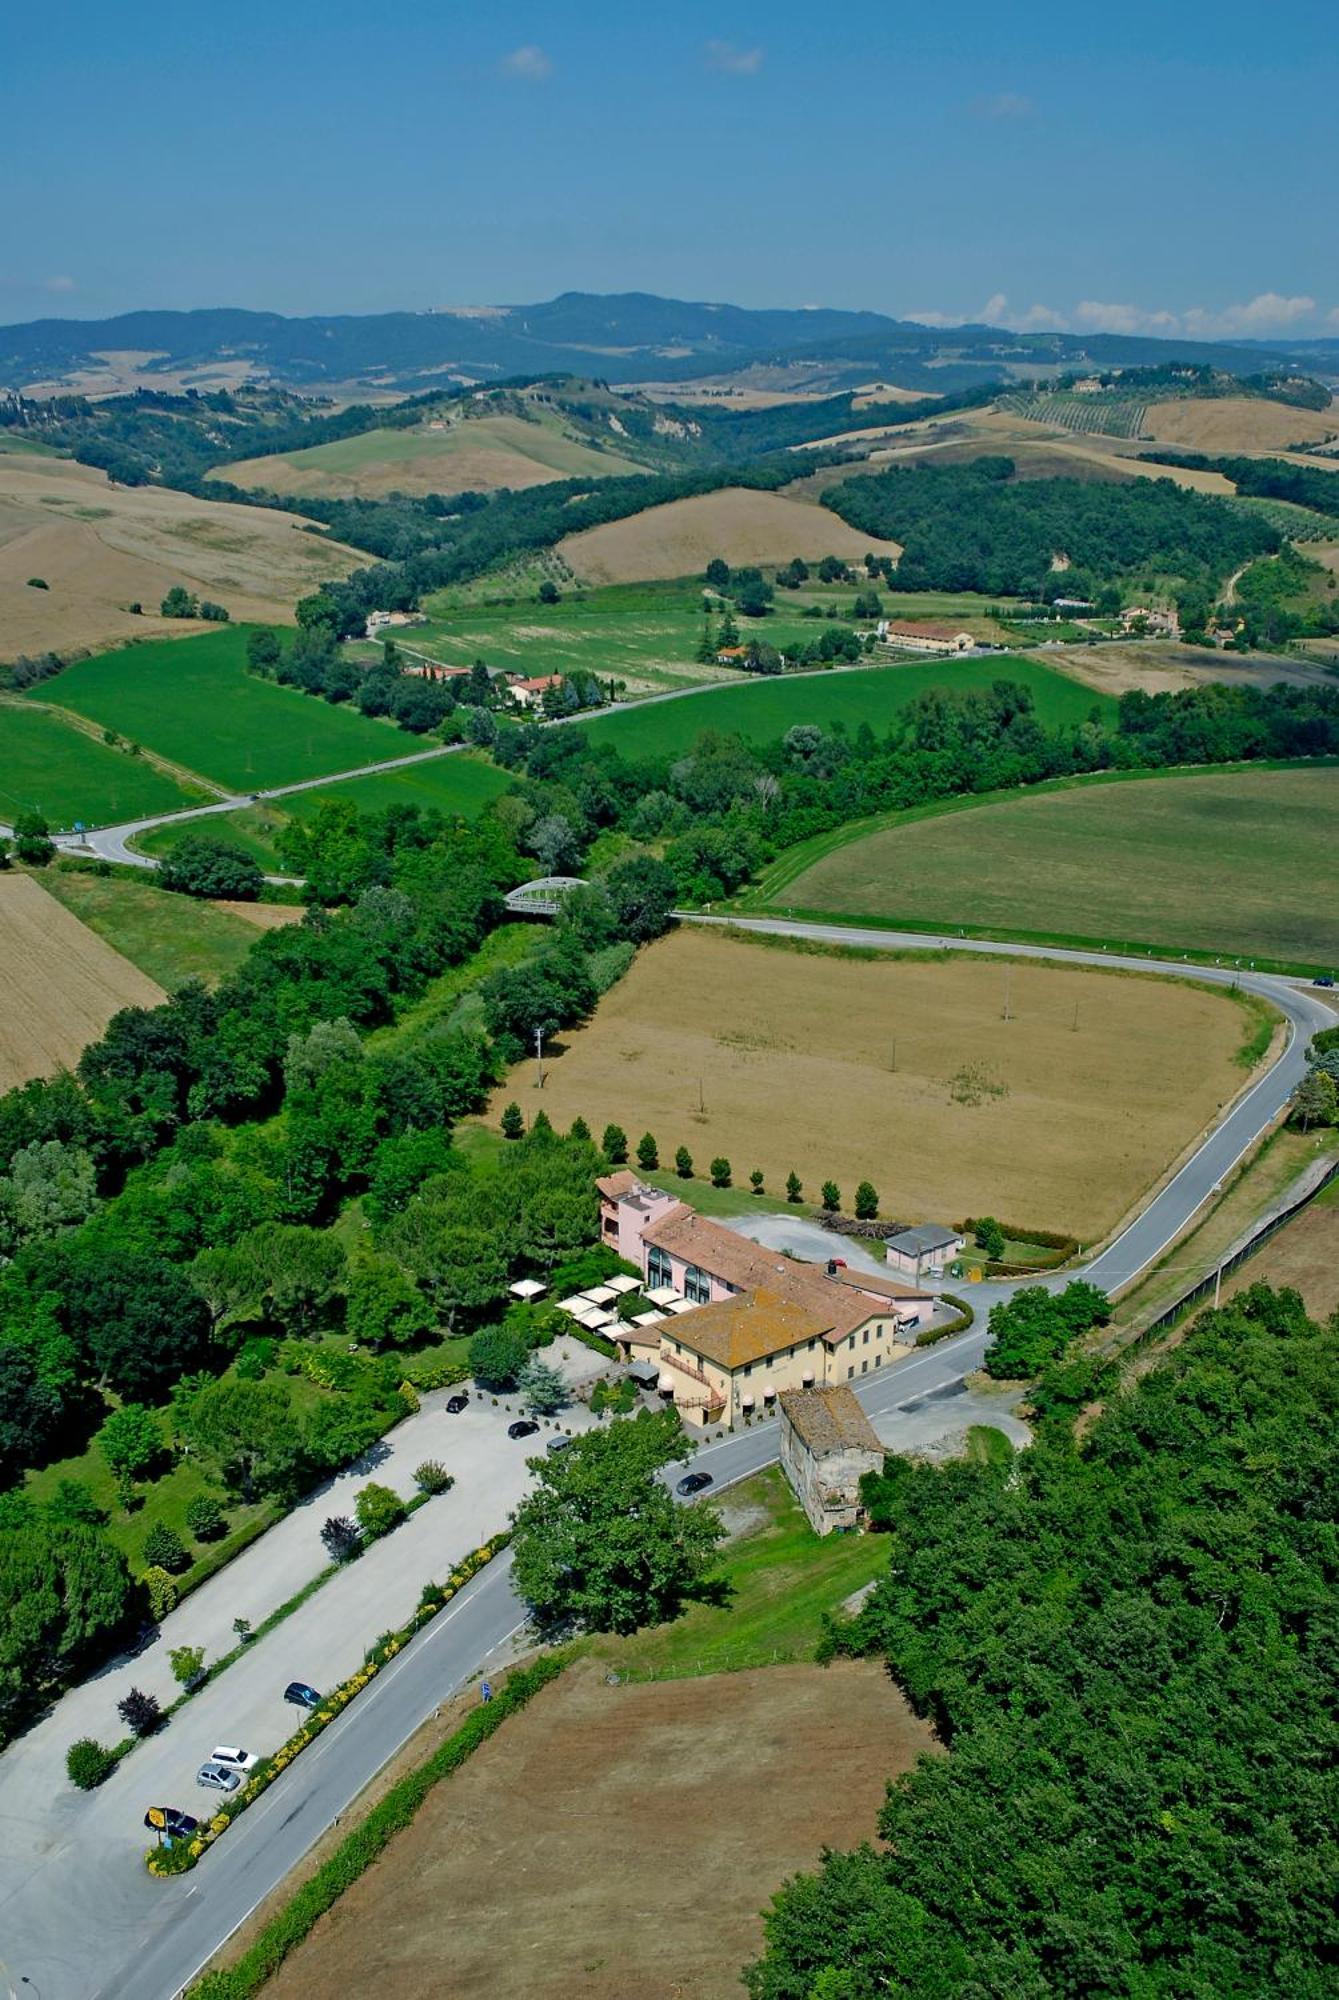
[
  {"x": 828, "y": 1444},
  {"x": 926, "y": 1251}
]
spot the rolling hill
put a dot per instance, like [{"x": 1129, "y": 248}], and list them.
[{"x": 681, "y": 537}]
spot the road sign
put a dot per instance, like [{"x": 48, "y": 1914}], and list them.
[{"x": 156, "y": 1816}]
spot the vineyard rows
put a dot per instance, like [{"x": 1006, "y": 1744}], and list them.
[{"x": 1103, "y": 416}]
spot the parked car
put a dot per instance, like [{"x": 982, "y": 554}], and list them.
[
  {"x": 560, "y": 1443},
  {"x": 524, "y": 1427},
  {"x": 218, "y": 1778},
  {"x": 235, "y": 1759},
  {"x": 178, "y": 1824},
  {"x": 693, "y": 1482},
  {"x": 301, "y": 1695},
  {"x": 455, "y": 1404}
]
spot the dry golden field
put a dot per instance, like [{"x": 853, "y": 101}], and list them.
[
  {"x": 1305, "y": 1255},
  {"x": 790, "y": 1056},
  {"x": 1160, "y": 666},
  {"x": 59, "y": 984},
  {"x": 1236, "y": 423},
  {"x": 100, "y": 548},
  {"x": 680, "y": 538},
  {"x": 617, "y": 1840}
]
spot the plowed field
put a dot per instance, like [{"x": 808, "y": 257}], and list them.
[{"x": 59, "y": 984}]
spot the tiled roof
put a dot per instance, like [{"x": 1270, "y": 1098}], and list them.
[
  {"x": 747, "y": 1328},
  {"x": 829, "y": 1419},
  {"x": 732, "y": 1258},
  {"x": 614, "y": 1185}
]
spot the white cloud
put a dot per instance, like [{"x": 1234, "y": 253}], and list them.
[
  {"x": 1005, "y": 104},
  {"x": 731, "y": 60},
  {"x": 531, "y": 63},
  {"x": 1268, "y": 313},
  {"x": 59, "y": 285},
  {"x": 1093, "y": 316}
]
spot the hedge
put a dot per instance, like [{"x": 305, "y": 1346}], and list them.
[
  {"x": 965, "y": 1315},
  {"x": 1049, "y": 1239},
  {"x": 175, "y": 1860},
  {"x": 361, "y": 1848}
]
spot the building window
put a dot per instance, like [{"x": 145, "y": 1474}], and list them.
[
  {"x": 864, "y": 1366},
  {"x": 864, "y": 1338},
  {"x": 850, "y": 1371},
  {"x": 696, "y": 1285},
  {"x": 748, "y": 1367},
  {"x": 659, "y": 1270}
]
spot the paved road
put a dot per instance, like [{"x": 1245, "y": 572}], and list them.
[{"x": 90, "y": 1925}]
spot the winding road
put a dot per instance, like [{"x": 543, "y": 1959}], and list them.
[{"x": 85, "y": 1922}]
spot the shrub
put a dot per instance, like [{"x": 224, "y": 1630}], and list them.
[
  {"x": 432, "y": 1477},
  {"x": 87, "y": 1763},
  {"x": 683, "y": 1164},
  {"x": 513, "y": 1122},
  {"x": 720, "y": 1171},
  {"x": 648, "y": 1154},
  {"x": 866, "y": 1202},
  {"x": 756, "y": 1180},
  {"x": 203, "y": 865},
  {"x": 831, "y": 1197},
  {"x": 614, "y": 1145},
  {"x": 206, "y": 1519},
  {"x": 141, "y": 1713},
  {"x": 497, "y": 1356},
  {"x": 187, "y": 1664},
  {"x": 162, "y": 1592},
  {"x": 164, "y": 1549},
  {"x": 988, "y": 1236},
  {"x": 340, "y": 1538},
  {"x": 794, "y": 1186},
  {"x": 379, "y": 1509}
]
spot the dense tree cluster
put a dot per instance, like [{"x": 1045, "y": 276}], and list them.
[
  {"x": 1128, "y": 1648},
  {"x": 974, "y": 527}
]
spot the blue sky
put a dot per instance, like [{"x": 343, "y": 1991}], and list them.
[{"x": 1167, "y": 166}]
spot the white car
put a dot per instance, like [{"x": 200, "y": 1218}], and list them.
[{"x": 235, "y": 1760}]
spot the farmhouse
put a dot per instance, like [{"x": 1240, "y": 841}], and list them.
[
  {"x": 913, "y": 638},
  {"x": 434, "y": 670},
  {"x": 735, "y": 1324},
  {"x": 827, "y": 1446},
  {"x": 530, "y": 692},
  {"x": 385, "y": 621},
  {"x": 923, "y": 1252}
]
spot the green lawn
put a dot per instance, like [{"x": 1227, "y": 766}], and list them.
[
  {"x": 544, "y": 443},
  {"x": 762, "y": 710},
  {"x": 50, "y": 765},
  {"x": 171, "y": 938},
  {"x": 736, "y": 1200},
  {"x": 780, "y": 1578},
  {"x": 193, "y": 702},
  {"x": 255, "y": 829},
  {"x": 1234, "y": 863}
]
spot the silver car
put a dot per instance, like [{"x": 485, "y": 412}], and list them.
[{"x": 218, "y": 1777}]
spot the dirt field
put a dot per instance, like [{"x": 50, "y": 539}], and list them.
[
  {"x": 617, "y": 1841},
  {"x": 680, "y": 538},
  {"x": 100, "y": 548},
  {"x": 1305, "y": 1255},
  {"x": 1236, "y": 423},
  {"x": 265, "y": 916},
  {"x": 1160, "y": 666},
  {"x": 61, "y": 983},
  {"x": 793, "y": 1052},
  {"x": 479, "y": 455}
]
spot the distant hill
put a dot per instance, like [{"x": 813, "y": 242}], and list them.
[{"x": 629, "y": 337}]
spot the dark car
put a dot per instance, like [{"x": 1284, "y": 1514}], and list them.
[
  {"x": 693, "y": 1482},
  {"x": 524, "y": 1427},
  {"x": 1325, "y": 979},
  {"x": 169, "y": 1820},
  {"x": 301, "y": 1695},
  {"x": 455, "y": 1404},
  {"x": 559, "y": 1443}
]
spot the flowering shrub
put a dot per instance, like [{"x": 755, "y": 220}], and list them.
[{"x": 182, "y": 1855}]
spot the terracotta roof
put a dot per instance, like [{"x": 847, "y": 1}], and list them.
[
  {"x": 914, "y": 630},
  {"x": 882, "y": 1288},
  {"x": 748, "y": 1327},
  {"x": 829, "y": 1420},
  {"x": 732, "y": 1258},
  {"x": 614, "y": 1185}
]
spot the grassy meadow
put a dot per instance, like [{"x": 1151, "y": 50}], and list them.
[
  {"x": 1222, "y": 862},
  {"x": 762, "y": 710},
  {"x": 171, "y": 938},
  {"x": 50, "y": 765},
  {"x": 193, "y": 702}
]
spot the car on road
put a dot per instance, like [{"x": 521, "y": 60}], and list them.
[
  {"x": 524, "y": 1427},
  {"x": 455, "y": 1404},
  {"x": 218, "y": 1778},
  {"x": 235, "y": 1758},
  {"x": 693, "y": 1482},
  {"x": 558, "y": 1444},
  {"x": 301, "y": 1695},
  {"x": 1325, "y": 979},
  {"x": 178, "y": 1824}
]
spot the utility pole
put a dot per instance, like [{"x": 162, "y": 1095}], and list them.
[
  {"x": 701, "y": 1099},
  {"x": 894, "y": 1062},
  {"x": 1217, "y": 1285},
  {"x": 1076, "y": 1018},
  {"x": 1008, "y": 975},
  {"x": 539, "y": 1058}
]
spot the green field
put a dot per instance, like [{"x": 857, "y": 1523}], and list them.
[
  {"x": 762, "y": 710},
  {"x": 459, "y": 783},
  {"x": 171, "y": 938},
  {"x": 1236, "y": 863},
  {"x": 193, "y": 702},
  {"x": 50, "y": 765}
]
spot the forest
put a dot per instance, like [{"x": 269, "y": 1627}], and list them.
[
  {"x": 1127, "y": 1648},
  {"x": 1267, "y": 478},
  {"x": 973, "y": 527}
]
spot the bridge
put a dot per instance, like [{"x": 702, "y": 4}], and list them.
[{"x": 542, "y": 898}]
